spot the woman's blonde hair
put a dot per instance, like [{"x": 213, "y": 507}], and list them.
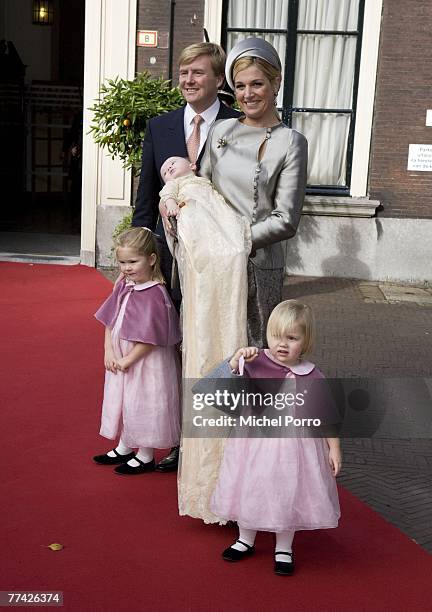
[
  {"x": 143, "y": 241},
  {"x": 246, "y": 62},
  {"x": 288, "y": 314}
]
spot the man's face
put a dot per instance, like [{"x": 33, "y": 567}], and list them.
[{"x": 198, "y": 83}]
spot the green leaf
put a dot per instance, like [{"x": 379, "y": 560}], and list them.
[{"x": 139, "y": 100}]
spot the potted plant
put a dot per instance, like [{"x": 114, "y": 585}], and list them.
[{"x": 120, "y": 118}]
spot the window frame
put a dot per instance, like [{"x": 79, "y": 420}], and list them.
[{"x": 292, "y": 32}]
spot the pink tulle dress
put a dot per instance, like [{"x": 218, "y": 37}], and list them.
[
  {"x": 277, "y": 484},
  {"x": 143, "y": 404}
]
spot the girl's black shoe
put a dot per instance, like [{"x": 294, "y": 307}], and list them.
[
  {"x": 284, "y": 568},
  {"x": 130, "y": 470},
  {"x": 232, "y": 554},
  {"x": 107, "y": 460}
]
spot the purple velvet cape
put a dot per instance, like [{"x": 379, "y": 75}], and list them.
[{"x": 150, "y": 316}]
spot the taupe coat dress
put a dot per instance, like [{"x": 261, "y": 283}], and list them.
[{"x": 268, "y": 189}]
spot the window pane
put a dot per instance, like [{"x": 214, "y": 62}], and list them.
[
  {"x": 40, "y": 152},
  {"x": 56, "y": 182},
  {"x": 40, "y": 183},
  {"x": 324, "y": 73},
  {"x": 277, "y": 40},
  {"x": 258, "y": 14},
  {"x": 327, "y": 136},
  {"x": 328, "y": 15}
]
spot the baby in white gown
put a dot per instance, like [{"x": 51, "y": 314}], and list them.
[{"x": 211, "y": 248}]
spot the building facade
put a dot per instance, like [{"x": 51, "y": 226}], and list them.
[{"x": 356, "y": 83}]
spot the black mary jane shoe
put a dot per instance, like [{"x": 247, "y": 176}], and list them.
[
  {"x": 284, "y": 568},
  {"x": 130, "y": 470},
  {"x": 107, "y": 460},
  {"x": 232, "y": 554}
]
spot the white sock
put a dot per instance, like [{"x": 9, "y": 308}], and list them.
[
  {"x": 121, "y": 448},
  {"x": 284, "y": 541},
  {"x": 144, "y": 454},
  {"x": 245, "y": 535}
]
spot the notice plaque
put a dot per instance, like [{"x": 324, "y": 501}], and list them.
[
  {"x": 147, "y": 38},
  {"x": 420, "y": 158}
]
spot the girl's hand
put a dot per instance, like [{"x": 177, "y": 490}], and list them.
[
  {"x": 123, "y": 364},
  {"x": 335, "y": 459},
  {"x": 110, "y": 362},
  {"x": 248, "y": 352}
]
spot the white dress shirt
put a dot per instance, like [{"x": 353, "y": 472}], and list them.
[{"x": 208, "y": 116}]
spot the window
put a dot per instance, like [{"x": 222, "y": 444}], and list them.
[{"x": 319, "y": 43}]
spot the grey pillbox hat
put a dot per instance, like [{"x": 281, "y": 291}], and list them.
[{"x": 251, "y": 47}]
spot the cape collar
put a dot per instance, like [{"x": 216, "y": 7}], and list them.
[
  {"x": 301, "y": 369},
  {"x": 141, "y": 286}
]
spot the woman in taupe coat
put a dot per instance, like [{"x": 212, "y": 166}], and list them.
[{"x": 259, "y": 165}]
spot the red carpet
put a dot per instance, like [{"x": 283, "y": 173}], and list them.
[{"x": 125, "y": 547}]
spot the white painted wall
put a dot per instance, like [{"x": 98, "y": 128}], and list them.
[
  {"x": 109, "y": 51},
  {"x": 366, "y": 97},
  {"x": 32, "y": 42},
  {"x": 385, "y": 249}
]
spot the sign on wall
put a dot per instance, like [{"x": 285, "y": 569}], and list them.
[
  {"x": 147, "y": 38},
  {"x": 420, "y": 158}
]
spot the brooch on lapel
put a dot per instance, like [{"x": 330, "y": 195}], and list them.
[{"x": 221, "y": 143}]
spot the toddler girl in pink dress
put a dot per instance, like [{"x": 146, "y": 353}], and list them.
[
  {"x": 278, "y": 484},
  {"x": 141, "y": 402}
]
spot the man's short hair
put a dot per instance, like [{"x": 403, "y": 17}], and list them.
[{"x": 215, "y": 52}]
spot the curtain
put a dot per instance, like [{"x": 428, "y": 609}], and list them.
[
  {"x": 324, "y": 78},
  {"x": 259, "y": 14},
  {"x": 324, "y": 72}
]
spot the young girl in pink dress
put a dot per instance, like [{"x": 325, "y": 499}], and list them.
[
  {"x": 278, "y": 484},
  {"x": 141, "y": 402}
]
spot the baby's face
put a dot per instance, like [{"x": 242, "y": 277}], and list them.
[{"x": 174, "y": 167}]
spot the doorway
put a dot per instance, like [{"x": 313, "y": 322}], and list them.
[{"x": 41, "y": 108}]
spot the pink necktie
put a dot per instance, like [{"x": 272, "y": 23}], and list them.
[{"x": 193, "y": 142}]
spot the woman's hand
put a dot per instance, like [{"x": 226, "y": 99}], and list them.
[
  {"x": 164, "y": 213},
  {"x": 335, "y": 455},
  {"x": 248, "y": 352},
  {"x": 172, "y": 208}
]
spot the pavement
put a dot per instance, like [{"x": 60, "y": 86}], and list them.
[
  {"x": 378, "y": 330},
  {"x": 34, "y": 247},
  {"x": 381, "y": 331}
]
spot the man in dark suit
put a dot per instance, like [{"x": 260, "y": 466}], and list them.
[{"x": 201, "y": 74}]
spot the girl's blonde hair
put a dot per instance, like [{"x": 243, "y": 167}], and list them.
[
  {"x": 143, "y": 241},
  {"x": 288, "y": 314}
]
